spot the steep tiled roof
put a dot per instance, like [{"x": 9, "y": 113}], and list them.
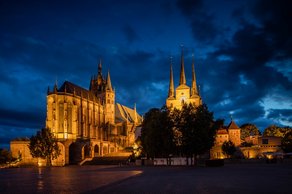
[
  {"x": 124, "y": 113},
  {"x": 71, "y": 88},
  {"x": 222, "y": 131},
  {"x": 232, "y": 125}
]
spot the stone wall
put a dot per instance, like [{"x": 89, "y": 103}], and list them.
[{"x": 21, "y": 149}]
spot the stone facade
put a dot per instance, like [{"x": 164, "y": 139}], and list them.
[
  {"x": 87, "y": 123},
  {"x": 266, "y": 148},
  {"x": 234, "y": 133},
  {"x": 221, "y": 137}
]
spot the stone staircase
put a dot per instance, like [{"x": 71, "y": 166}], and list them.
[
  {"x": 117, "y": 158},
  {"x": 107, "y": 160}
]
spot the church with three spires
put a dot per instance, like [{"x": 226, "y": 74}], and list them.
[
  {"x": 190, "y": 95},
  {"x": 183, "y": 93}
]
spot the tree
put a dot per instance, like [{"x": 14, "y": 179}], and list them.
[
  {"x": 286, "y": 143},
  {"x": 188, "y": 132},
  {"x": 197, "y": 129},
  {"x": 276, "y": 131},
  {"x": 228, "y": 148},
  {"x": 157, "y": 133},
  {"x": 44, "y": 145},
  {"x": 247, "y": 130},
  {"x": 5, "y": 156}
]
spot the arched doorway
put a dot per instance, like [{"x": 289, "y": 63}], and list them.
[
  {"x": 73, "y": 153},
  {"x": 105, "y": 149},
  {"x": 86, "y": 151},
  {"x": 96, "y": 150}
]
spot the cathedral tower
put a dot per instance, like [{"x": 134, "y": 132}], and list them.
[
  {"x": 109, "y": 100},
  {"x": 102, "y": 88},
  {"x": 183, "y": 93}
]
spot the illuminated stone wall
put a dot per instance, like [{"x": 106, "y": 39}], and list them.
[
  {"x": 220, "y": 138},
  {"x": 182, "y": 95},
  {"x": 20, "y": 149},
  {"x": 234, "y": 136},
  {"x": 72, "y": 117},
  {"x": 265, "y": 146},
  {"x": 109, "y": 109}
]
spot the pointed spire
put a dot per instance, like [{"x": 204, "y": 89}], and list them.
[
  {"x": 194, "y": 82},
  {"x": 171, "y": 84},
  {"x": 99, "y": 67},
  {"x": 182, "y": 79},
  {"x": 135, "y": 114},
  {"x": 232, "y": 125},
  {"x": 55, "y": 87},
  {"x": 108, "y": 82}
]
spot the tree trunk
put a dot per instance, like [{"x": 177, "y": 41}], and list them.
[{"x": 49, "y": 161}]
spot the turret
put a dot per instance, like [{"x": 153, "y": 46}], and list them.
[
  {"x": 55, "y": 87},
  {"x": 171, "y": 84},
  {"x": 99, "y": 76},
  {"x": 108, "y": 82},
  {"x": 182, "y": 78},
  {"x": 135, "y": 114},
  {"x": 194, "y": 82}
]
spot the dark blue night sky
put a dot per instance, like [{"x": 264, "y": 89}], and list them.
[{"x": 242, "y": 51}]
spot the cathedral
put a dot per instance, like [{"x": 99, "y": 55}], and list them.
[
  {"x": 183, "y": 93},
  {"x": 87, "y": 123}
]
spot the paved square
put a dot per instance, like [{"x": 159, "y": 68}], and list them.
[{"x": 232, "y": 178}]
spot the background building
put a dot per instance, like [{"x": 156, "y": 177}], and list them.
[
  {"x": 183, "y": 93},
  {"x": 229, "y": 133}
]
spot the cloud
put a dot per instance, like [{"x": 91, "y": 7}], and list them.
[
  {"x": 8, "y": 133},
  {"x": 201, "y": 22},
  {"x": 252, "y": 70},
  {"x": 280, "y": 115},
  {"x": 276, "y": 19},
  {"x": 135, "y": 75},
  {"x": 130, "y": 33},
  {"x": 27, "y": 118},
  {"x": 188, "y": 7},
  {"x": 240, "y": 62}
]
